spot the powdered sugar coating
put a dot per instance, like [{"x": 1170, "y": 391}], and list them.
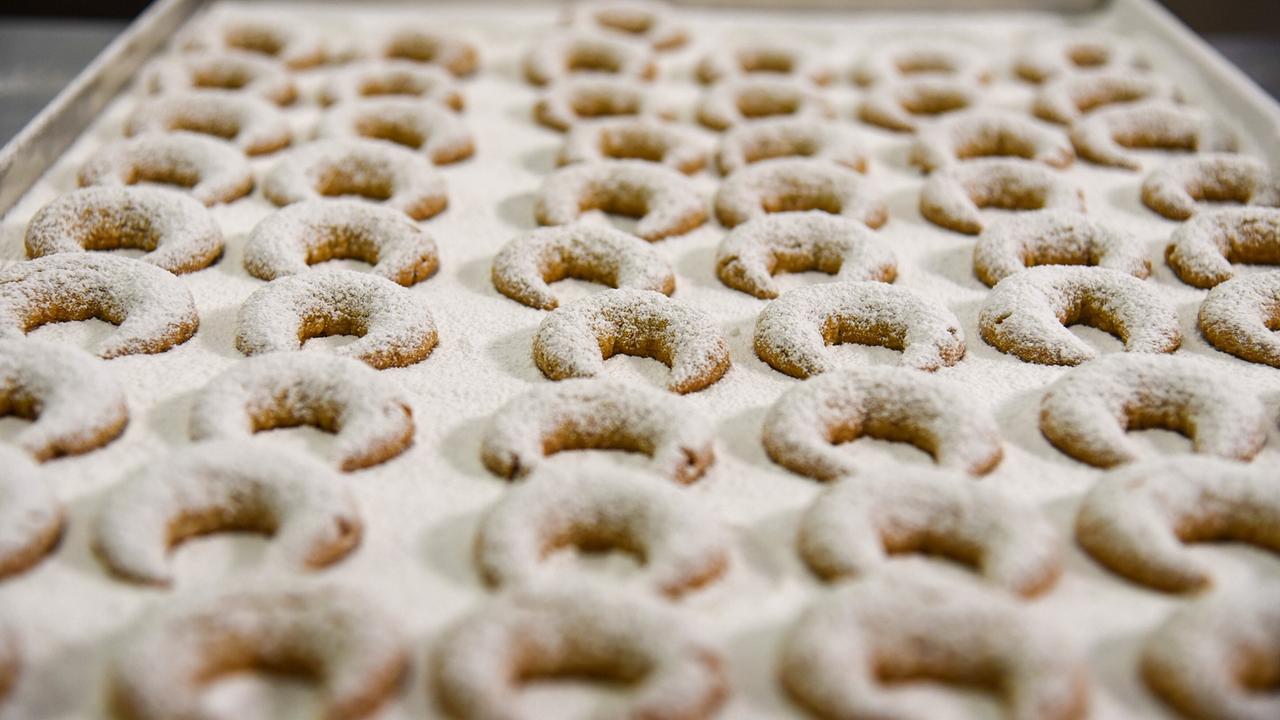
[
  {"x": 596, "y": 413},
  {"x": 574, "y": 340},
  {"x": 906, "y": 105},
  {"x": 290, "y": 240},
  {"x": 210, "y": 170},
  {"x": 1207, "y": 657},
  {"x": 228, "y": 70},
  {"x": 911, "y": 623},
  {"x": 953, "y": 196},
  {"x": 650, "y": 21},
  {"x": 1071, "y": 96},
  {"x": 1048, "y": 56},
  {"x": 738, "y": 100},
  {"x": 390, "y": 78},
  {"x": 177, "y": 233},
  {"x": 572, "y": 51},
  {"x": 681, "y": 544},
  {"x": 1202, "y": 249},
  {"x": 854, "y": 527},
  {"x": 637, "y": 138},
  {"x": 295, "y": 44},
  {"x": 331, "y": 633},
  {"x": 395, "y": 326},
  {"x": 153, "y": 309},
  {"x": 369, "y": 416},
  {"x": 419, "y": 124},
  {"x": 31, "y": 521},
  {"x": 664, "y": 201},
  {"x": 1087, "y": 411},
  {"x": 1136, "y": 519},
  {"x": 376, "y": 170},
  {"x": 754, "y": 251},
  {"x": 672, "y": 670},
  {"x": 74, "y": 403},
  {"x": 1239, "y": 315},
  {"x": 524, "y": 268},
  {"x": 1102, "y": 136},
  {"x": 764, "y": 58},
  {"x": 785, "y": 136},
  {"x": 1027, "y": 314},
  {"x": 794, "y": 184},
  {"x": 922, "y": 58},
  {"x": 228, "y": 485},
  {"x": 580, "y": 97},
  {"x": 792, "y": 332},
  {"x": 428, "y": 45},
  {"x": 983, "y": 132},
  {"x": 1054, "y": 237},
  {"x": 936, "y": 415},
  {"x": 1174, "y": 188},
  {"x": 255, "y": 126}
]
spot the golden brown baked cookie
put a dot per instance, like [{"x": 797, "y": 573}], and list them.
[
  {"x": 575, "y": 51},
  {"x": 31, "y": 522},
  {"x": 1202, "y": 249},
  {"x": 586, "y": 97},
  {"x": 954, "y": 196},
  {"x": 764, "y": 58},
  {"x": 391, "y": 78},
  {"x": 921, "y": 58},
  {"x": 230, "y": 70},
  {"x": 1240, "y": 316},
  {"x": 447, "y": 49},
  {"x": 786, "y": 137},
  {"x": 905, "y": 105},
  {"x": 255, "y": 126},
  {"x": 210, "y": 170},
  {"x": 1056, "y": 54},
  {"x": 795, "y": 184},
  {"x": 1054, "y": 237},
  {"x": 427, "y": 126},
  {"x": 295, "y": 45},
  {"x": 737, "y": 100},
  {"x": 634, "y": 138},
  {"x": 978, "y": 133},
  {"x": 1175, "y": 188},
  {"x": 1103, "y": 136},
  {"x": 648, "y": 21},
  {"x": 1069, "y": 97},
  {"x": 664, "y": 201}
]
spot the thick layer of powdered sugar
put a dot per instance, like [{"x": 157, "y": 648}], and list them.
[
  {"x": 1174, "y": 188},
  {"x": 198, "y": 71},
  {"x": 982, "y": 133},
  {"x": 254, "y": 125},
  {"x": 896, "y": 59},
  {"x": 1102, "y": 136},
  {"x": 635, "y": 137},
  {"x": 1068, "y": 98},
  {"x": 28, "y": 512},
  {"x": 1054, "y": 237},
  {"x": 441, "y": 133},
  {"x": 779, "y": 137},
  {"x": 559, "y": 55},
  {"x": 219, "y": 172},
  {"x": 1238, "y": 316},
  {"x": 1202, "y": 249},
  {"x": 737, "y": 100},
  {"x": 799, "y": 184},
  {"x": 954, "y": 196},
  {"x": 912, "y": 103},
  {"x": 668, "y": 203}
]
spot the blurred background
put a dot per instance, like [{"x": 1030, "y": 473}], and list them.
[{"x": 44, "y": 43}]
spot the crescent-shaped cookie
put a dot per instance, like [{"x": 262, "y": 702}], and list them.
[
  {"x": 1136, "y": 519},
  {"x": 391, "y": 78},
  {"x": 395, "y": 325},
  {"x": 844, "y": 657},
  {"x": 74, "y": 403},
  {"x": 634, "y": 138},
  {"x": 1027, "y": 314},
  {"x": 1176, "y": 188},
  {"x": 1240, "y": 316},
  {"x": 427, "y": 126},
  {"x": 369, "y": 416},
  {"x": 680, "y": 543},
  {"x": 912, "y": 59},
  {"x": 907, "y": 105},
  {"x": 31, "y": 522},
  {"x": 1103, "y": 136},
  {"x": 856, "y": 524},
  {"x": 664, "y": 201},
  {"x": 1070, "y": 97},
  {"x": 576, "y": 339},
  {"x": 524, "y": 268},
  {"x": 254, "y": 125},
  {"x": 574, "y": 51},
  {"x": 650, "y": 21},
  {"x": 1058, "y": 52},
  {"x": 753, "y": 252},
  {"x": 791, "y": 184},
  {"x": 226, "y": 485},
  {"x": 1054, "y": 237},
  {"x": 332, "y": 634},
  {"x": 804, "y": 426},
  {"x": 598, "y": 414},
  {"x": 793, "y": 332},
  {"x": 970, "y": 134},
  {"x": 734, "y": 101},
  {"x": 153, "y": 309},
  {"x": 1087, "y": 411},
  {"x": 953, "y": 196},
  {"x": 790, "y": 137},
  {"x": 208, "y": 169},
  {"x": 1202, "y": 249},
  {"x": 431, "y": 46}
]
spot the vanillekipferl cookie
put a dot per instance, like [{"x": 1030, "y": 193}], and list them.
[
  {"x": 1176, "y": 188},
  {"x": 1240, "y": 317},
  {"x": 663, "y": 201},
  {"x": 790, "y": 137},
  {"x": 634, "y": 138},
  {"x": 254, "y": 125},
  {"x": 31, "y": 523},
  {"x": 209, "y": 169},
  {"x": 1201, "y": 250},
  {"x": 1054, "y": 237},
  {"x": 953, "y": 197},
  {"x": 798, "y": 184}
]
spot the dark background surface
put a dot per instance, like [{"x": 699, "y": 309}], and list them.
[{"x": 44, "y": 43}]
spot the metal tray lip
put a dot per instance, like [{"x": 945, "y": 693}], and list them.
[{"x": 41, "y": 142}]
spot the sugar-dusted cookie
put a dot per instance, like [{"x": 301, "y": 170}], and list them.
[
  {"x": 1202, "y": 249},
  {"x": 427, "y": 126},
  {"x": 635, "y": 138},
  {"x": 290, "y": 240},
  {"x": 74, "y": 404},
  {"x": 793, "y": 332},
  {"x": 922, "y": 58},
  {"x": 664, "y": 201},
  {"x": 1103, "y": 136},
  {"x": 906, "y": 105},
  {"x": 524, "y": 268},
  {"x": 954, "y": 196},
  {"x": 574, "y": 340},
  {"x": 785, "y": 137},
  {"x": 1054, "y": 237},
  {"x": 844, "y": 657},
  {"x": 855, "y": 525},
  {"x": 376, "y": 170},
  {"x": 598, "y": 414},
  {"x": 1239, "y": 317},
  {"x": 764, "y": 58},
  {"x": 367, "y": 413},
  {"x": 232, "y": 70},
  {"x": 1087, "y": 411},
  {"x": 936, "y": 415},
  {"x": 220, "y": 486},
  {"x": 737, "y": 100},
  {"x": 753, "y": 252},
  {"x": 982, "y": 132},
  {"x": 1052, "y": 55},
  {"x": 254, "y": 125},
  {"x": 1175, "y": 188},
  {"x": 1070, "y": 97},
  {"x": 395, "y": 326},
  {"x": 176, "y": 232},
  {"x": 584, "y": 97},
  {"x": 210, "y": 170},
  {"x": 681, "y": 544},
  {"x": 391, "y": 78},
  {"x": 432, "y": 46},
  {"x": 669, "y": 669},
  {"x": 792, "y": 184},
  {"x": 332, "y": 634},
  {"x": 153, "y": 309},
  {"x": 31, "y": 522},
  {"x": 575, "y": 51},
  {"x": 296, "y": 45},
  {"x": 1027, "y": 314},
  {"x": 650, "y": 21}
]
